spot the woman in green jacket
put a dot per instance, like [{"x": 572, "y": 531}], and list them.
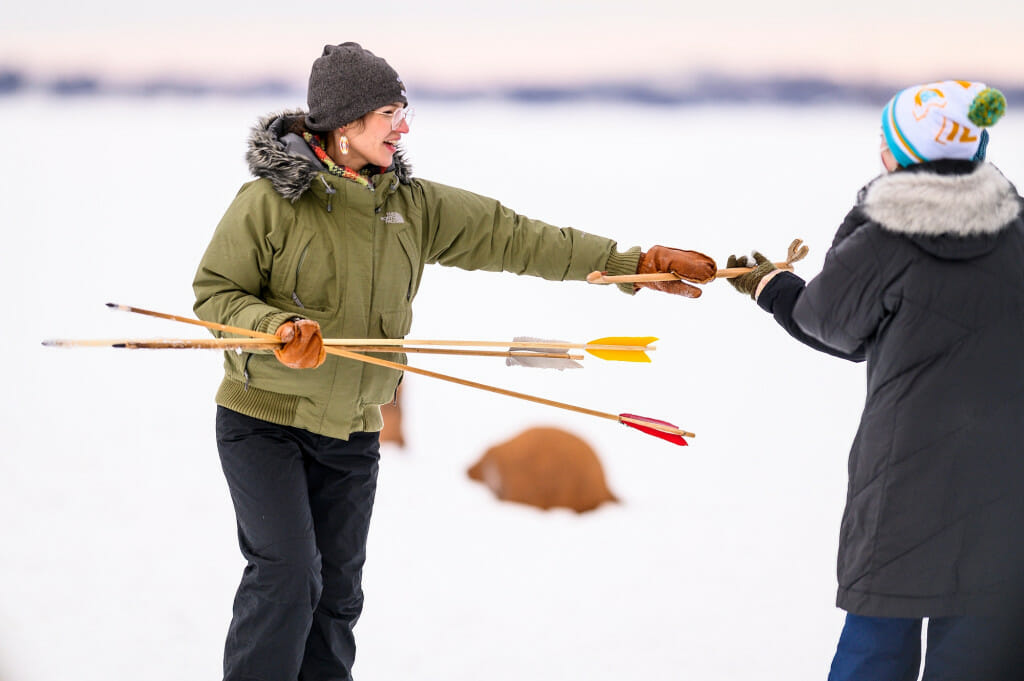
[{"x": 332, "y": 238}]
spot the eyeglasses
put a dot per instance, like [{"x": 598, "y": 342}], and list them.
[{"x": 398, "y": 115}]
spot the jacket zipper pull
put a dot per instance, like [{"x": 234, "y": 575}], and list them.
[{"x": 330, "y": 192}]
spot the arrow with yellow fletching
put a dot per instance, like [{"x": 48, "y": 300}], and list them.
[
  {"x": 248, "y": 344},
  {"x": 612, "y": 348},
  {"x": 621, "y": 348}
]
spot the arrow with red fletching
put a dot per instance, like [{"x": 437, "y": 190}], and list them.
[
  {"x": 660, "y": 429},
  {"x": 663, "y": 429}
]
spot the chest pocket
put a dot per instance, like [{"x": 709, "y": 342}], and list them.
[
  {"x": 412, "y": 254},
  {"x": 396, "y": 278},
  {"x": 304, "y": 275}
]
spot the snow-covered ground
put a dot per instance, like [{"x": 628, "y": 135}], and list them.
[{"x": 118, "y": 557}]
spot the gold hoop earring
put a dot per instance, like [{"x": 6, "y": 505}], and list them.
[{"x": 343, "y": 145}]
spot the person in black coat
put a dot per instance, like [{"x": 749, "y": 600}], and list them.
[{"x": 925, "y": 282}]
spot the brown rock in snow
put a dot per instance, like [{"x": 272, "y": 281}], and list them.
[{"x": 546, "y": 468}]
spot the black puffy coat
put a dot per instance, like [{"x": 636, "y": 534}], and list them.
[{"x": 925, "y": 281}]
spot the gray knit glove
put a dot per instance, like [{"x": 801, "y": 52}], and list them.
[{"x": 747, "y": 283}]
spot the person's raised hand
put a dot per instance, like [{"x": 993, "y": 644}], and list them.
[
  {"x": 747, "y": 283},
  {"x": 687, "y": 265}
]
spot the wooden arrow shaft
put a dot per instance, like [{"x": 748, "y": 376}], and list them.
[
  {"x": 542, "y": 345},
  {"x": 730, "y": 272},
  {"x": 165, "y": 343},
  {"x": 341, "y": 352},
  {"x": 462, "y": 353},
  {"x": 500, "y": 391},
  {"x": 198, "y": 322},
  {"x": 261, "y": 344},
  {"x": 727, "y": 273},
  {"x": 794, "y": 253},
  {"x": 390, "y": 341}
]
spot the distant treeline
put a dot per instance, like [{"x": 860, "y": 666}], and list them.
[{"x": 694, "y": 90}]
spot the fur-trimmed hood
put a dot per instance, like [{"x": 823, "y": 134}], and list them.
[
  {"x": 286, "y": 160},
  {"x": 954, "y": 209},
  {"x": 925, "y": 203}
]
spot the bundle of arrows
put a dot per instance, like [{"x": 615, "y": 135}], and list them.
[{"x": 521, "y": 351}]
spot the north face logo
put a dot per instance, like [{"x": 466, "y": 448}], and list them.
[{"x": 393, "y": 218}]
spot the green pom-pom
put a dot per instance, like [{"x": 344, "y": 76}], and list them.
[{"x": 987, "y": 108}]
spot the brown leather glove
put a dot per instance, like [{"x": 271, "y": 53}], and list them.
[
  {"x": 690, "y": 265},
  {"x": 303, "y": 344}
]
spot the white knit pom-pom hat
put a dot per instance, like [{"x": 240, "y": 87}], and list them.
[{"x": 941, "y": 120}]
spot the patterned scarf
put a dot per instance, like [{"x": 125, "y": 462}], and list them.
[{"x": 319, "y": 148}]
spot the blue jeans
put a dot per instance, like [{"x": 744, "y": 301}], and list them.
[{"x": 958, "y": 649}]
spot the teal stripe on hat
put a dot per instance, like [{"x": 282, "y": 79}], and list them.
[{"x": 895, "y": 138}]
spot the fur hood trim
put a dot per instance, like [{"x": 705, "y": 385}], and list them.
[
  {"x": 928, "y": 204},
  {"x": 291, "y": 166}
]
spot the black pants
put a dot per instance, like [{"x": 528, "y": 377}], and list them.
[{"x": 303, "y": 503}]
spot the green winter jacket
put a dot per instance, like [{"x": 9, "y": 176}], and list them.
[{"x": 300, "y": 242}]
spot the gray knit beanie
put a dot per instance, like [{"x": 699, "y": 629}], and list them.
[{"x": 346, "y": 83}]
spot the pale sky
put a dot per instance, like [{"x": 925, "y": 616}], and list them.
[{"x": 464, "y": 43}]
